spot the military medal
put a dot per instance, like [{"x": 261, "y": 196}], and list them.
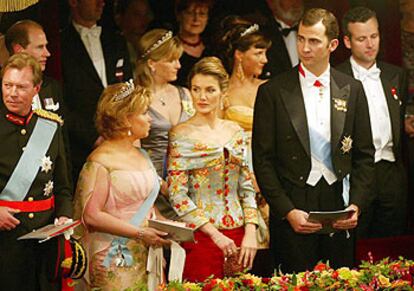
[
  {"x": 46, "y": 164},
  {"x": 48, "y": 188},
  {"x": 340, "y": 104},
  {"x": 346, "y": 144}
]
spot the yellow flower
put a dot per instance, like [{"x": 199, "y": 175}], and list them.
[{"x": 384, "y": 281}]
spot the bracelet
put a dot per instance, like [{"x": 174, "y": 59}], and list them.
[{"x": 140, "y": 234}]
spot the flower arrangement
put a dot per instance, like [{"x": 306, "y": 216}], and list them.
[{"x": 383, "y": 275}]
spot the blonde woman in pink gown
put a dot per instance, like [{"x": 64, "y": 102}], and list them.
[{"x": 115, "y": 194}]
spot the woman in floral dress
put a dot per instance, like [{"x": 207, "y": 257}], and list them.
[{"x": 209, "y": 181}]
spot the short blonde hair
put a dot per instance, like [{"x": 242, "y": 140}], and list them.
[
  {"x": 22, "y": 60},
  {"x": 211, "y": 66},
  {"x": 170, "y": 49},
  {"x": 112, "y": 113}
]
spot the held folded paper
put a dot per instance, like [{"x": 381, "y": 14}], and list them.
[
  {"x": 49, "y": 231},
  {"x": 177, "y": 231},
  {"x": 326, "y": 218}
]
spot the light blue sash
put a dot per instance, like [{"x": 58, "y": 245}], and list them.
[
  {"x": 28, "y": 166},
  {"x": 118, "y": 246}
]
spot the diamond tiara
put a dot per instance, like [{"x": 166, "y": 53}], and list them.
[
  {"x": 252, "y": 28},
  {"x": 168, "y": 35},
  {"x": 125, "y": 90}
]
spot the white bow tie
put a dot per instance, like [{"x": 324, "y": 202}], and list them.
[
  {"x": 94, "y": 32},
  {"x": 372, "y": 74}
]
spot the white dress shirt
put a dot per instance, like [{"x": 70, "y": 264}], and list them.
[
  {"x": 378, "y": 110},
  {"x": 318, "y": 114},
  {"x": 290, "y": 42},
  {"x": 92, "y": 42}
]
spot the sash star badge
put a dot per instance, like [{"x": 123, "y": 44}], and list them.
[
  {"x": 46, "y": 164},
  {"x": 340, "y": 104},
  {"x": 48, "y": 188},
  {"x": 346, "y": 144}
]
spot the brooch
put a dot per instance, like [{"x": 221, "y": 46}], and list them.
[
  {"x": 46, "y": 164},
  {"x": 50, "y": 104},
  {"x": 346, "y": 144},
  {"x": 48, "y": 188},
  {"x": 340, "y": 104},
  {"x": 394, "y": 95}
]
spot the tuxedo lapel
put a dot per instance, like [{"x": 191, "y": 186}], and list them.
[
  {"x": 293, "y": 99},
  {"x": 393, "y": 105},
  {"x": 339, "y": 102},
  {"x": 84, "y": 61}
]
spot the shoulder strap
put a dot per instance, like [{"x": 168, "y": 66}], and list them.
[{"x": 28, "y": 165}]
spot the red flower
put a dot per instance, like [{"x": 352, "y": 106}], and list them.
[
  {"x": 196, "y": 185},
  {"x": 247, "y": 282},
  {"x": 335, "y": 274},
  {"x": 321, "y": 267},
  {"x": 266, "y": 280}
]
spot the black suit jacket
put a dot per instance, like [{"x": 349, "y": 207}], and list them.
[
  {"x": 83, "y": 87},
  {"x": 277, "y": 55},
  {"x": 392, "y": 77},
  {"x": 281, "y": 145}
]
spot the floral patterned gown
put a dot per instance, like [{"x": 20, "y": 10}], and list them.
[
  {"x": 211, "y": 183},
  {"x": 127, "y": 192}
]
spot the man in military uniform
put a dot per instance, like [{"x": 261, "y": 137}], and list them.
[{"x": 34, "y": 182}]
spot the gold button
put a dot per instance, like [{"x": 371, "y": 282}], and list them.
[
  {"x": 30, "y": 199},
  {"x": 23, "y": 131},
  {"x": 31, "y": 215}
]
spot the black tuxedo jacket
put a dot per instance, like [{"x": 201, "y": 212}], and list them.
[
  {"x": 277, "y": 55},
  {"x": 82, "y": 86},
  {"x": 392, "y": 77},
  {"x": 281, "y": 145}
]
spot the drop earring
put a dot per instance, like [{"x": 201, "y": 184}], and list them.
[{"x": 129, "y": 133}]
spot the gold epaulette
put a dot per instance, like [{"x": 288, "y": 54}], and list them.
[{"x": 49, "y": 115}]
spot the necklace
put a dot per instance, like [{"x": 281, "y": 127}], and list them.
[{"x": 192, "y": 44}]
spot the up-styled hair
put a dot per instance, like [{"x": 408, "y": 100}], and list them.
[
  {"x": 22, "y": 60},
  {"x": 234, "y": 38},
  {"x": 181, "y": 5},
  {"x": 18, "y": 33},
  {"x": 315, "y": 15},
  {"x": 169, "y": 50},
  {"x": 112, "y": 112},
  {"x": 356, "y": 14},
  {"x": 210, "y": 66}
]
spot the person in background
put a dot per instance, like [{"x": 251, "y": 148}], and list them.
[
  {"x": 385, "y": 86},
  {"x": 35, "y": 187},
  {"x": 192, "y": 17},
  {"x": 116, "y": 191},
  {"x": 209, "y": 181},
  {"x": 28, "y": 36},
  {"x": 245, "y": 56},
  {"x": 133, "y": 18},
  {"x": 281, "y": 28},
  {"x": 92, "y": 58},
  {"x": 311, "y": 130},
  {"x": 157, "y": 67}
]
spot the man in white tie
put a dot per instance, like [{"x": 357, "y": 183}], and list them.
[
  {"x": 310, "y": 131},
  {"x": 386, "y": 88},
  {"x": 29, "y": 37},
  {"x": 92, "y": 58}
]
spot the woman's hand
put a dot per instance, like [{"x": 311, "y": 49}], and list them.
[
  {"x": 248, "y": 247},
  {"x": 227, "y": 245},
  {"x": 153, "y": 237}
]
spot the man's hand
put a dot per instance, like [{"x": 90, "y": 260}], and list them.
[
  {"x": 348, "y": 223},
  {"x": 7, "y": 220},
  {"x": 61, "y": 220},
  {"x": 298, "y": 220}
]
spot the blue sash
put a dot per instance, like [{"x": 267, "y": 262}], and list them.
[
  {"x": 28, "y": 165},
  {"x": 118, "y": 246}
]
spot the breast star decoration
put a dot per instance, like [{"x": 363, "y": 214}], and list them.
[
  {"x": 48, "y": 188},
  {"x": 46, "y": 164},
  {"x": 346, "y": 144},
  {"x": 340, "y": 104}
]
